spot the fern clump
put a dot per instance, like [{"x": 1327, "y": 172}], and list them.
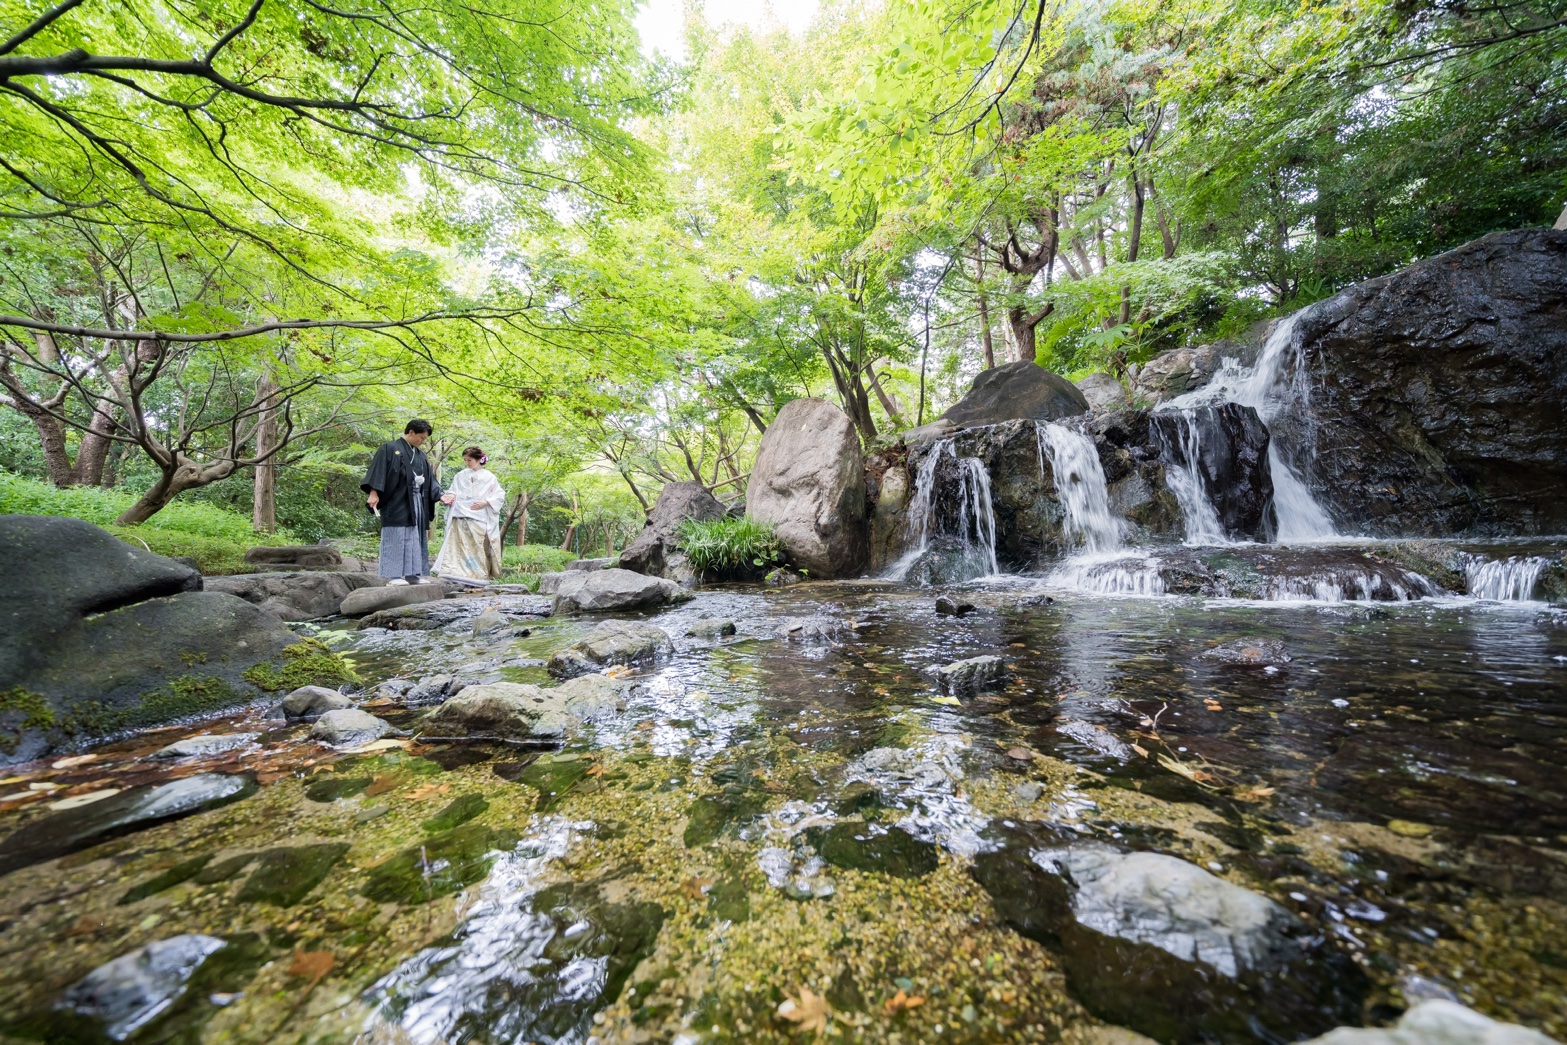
[{"x": 730, "y": 548}]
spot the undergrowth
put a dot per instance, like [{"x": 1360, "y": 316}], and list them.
[{"x": 732, "y": 548}]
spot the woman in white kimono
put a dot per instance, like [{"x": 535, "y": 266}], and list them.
[{"x": 472, "y": 548}]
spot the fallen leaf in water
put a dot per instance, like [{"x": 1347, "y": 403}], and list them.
[
  {"x": 87, "y": 799},
  {"x": 1255, "y": 794},
  {"x": 44, "y": 785},
  {"x": 1213, "y": 705},
  {"x": 312, "y": 966},
  {"x": 1022, "y": 754},
  {"x": 12, "y": 780},
  {"x": 84, "y": 926},
  {"x": 617, "y": 670},
  {"x": 377, "y": 745},
  {"x": 695, "y": 888},
  {"x": 1409, "y": 828},
  {"x": 427, "y": 790},
  {"x": 951, "y": 701},
  {"x": 808, "y": 1012},
  {"x": 382, "y": 784},
  {"x": 74, "y": 760},
  {"x": 902, "y": 1002},
  {"x": 1140, "y": 750},
  {"x": 380, "y": 702}
]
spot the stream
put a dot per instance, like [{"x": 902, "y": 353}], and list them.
[{"x": 784, "y": 830}]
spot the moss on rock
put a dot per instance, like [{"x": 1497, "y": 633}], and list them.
[
  {"x": 21, "y": 709},
  {"x": 307, "y": 662}
]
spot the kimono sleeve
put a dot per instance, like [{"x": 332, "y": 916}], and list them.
[{"x": 380, "y": 471}]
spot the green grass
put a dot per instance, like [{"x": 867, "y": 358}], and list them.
[
  {"x": 216, "y": 538},
  {"x": 734, "y": 548},
  {"x": 534, "y": 558}
]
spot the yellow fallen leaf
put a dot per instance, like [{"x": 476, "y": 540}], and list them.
[
  {"x": 429, "y": 790},
  {"x": 74, "y": 760},
  {"x": 1140, "y": 750},
  {"x": 76, "y": 801},
  {"x": 902, "y": 1002},
  {"x": 808, "y": 1012},
  {"x": 1254, "y": 794},
  {"x": 617, "y": 670},
  {"x": 952, "y": 701},
  {"x": 44, "y": 785}
]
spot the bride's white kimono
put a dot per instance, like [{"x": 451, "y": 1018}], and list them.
[{"x": 472, "y": 548}]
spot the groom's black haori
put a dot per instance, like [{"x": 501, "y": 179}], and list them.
[{"x": 402, "y": 478}]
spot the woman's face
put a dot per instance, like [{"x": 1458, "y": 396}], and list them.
[{"x": 473, "y": 463}]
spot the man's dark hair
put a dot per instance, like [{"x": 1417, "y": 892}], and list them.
[{"x": 419, "y": 425}]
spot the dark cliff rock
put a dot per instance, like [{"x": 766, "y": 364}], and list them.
[
  {"x": 656, "y": 550},
  {"x": 1231, "y": 464}
]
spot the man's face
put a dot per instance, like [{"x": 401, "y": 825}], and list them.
[{"x": 416, "y": 439}]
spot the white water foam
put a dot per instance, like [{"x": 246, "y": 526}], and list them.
[
  {"x": 976, "y": 514},
  {"x": 1080, "y": 487},
  {"x": 1110, "y": 575},
  {"x": 1181, "y": 475},
  {"x": 1275, "y": 384},
  {"x": 978, "y": 518},
  {"x": 1504, "y": 580}
]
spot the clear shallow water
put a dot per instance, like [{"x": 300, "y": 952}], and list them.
[{"x": 1396, "y": 782}]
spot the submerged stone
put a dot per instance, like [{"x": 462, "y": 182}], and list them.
[
  {"x": 612, "y": 642},
  {"x": 283, "y": 877},
  {"x": 329, "y": 787},
  {"x": 966, "y": 677},
  {"x": 515, "y": 711},
  {"x": 180, "y": 872},
  {"x": 711, "y": 628},
  {"x": 1251, "y": 652},
  {"x": 439, "y": 866},
  {"x": 859, "y": 846},
  {"x": 126, "y": 994},
  {"x": 551, "y": 779},
  {"x": 710, "y": 814},
  {"x": 207, "y": 745},
  {"x": 1164, "y": 947},
  {"x": 131, "y": 810},
  {"x": 459, "y": 811}
]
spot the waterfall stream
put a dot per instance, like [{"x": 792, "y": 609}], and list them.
[
  {"x": 1275, "y": 386},
  {"x": 1080, "y": 487},
  {"x": 976, "y": 516},
  {"x": 1504, "y": 580}
]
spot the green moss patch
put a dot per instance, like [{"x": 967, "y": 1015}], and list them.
[
  {"x": 181, "y": 872},
  {"x": 307, "y": 662},
  {"x": 21, "y": 709},
  {"x": 443, "y": 864},
  {"x": 283, "y": 876}
]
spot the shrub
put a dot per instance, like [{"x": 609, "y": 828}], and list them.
[
  {"x": 736, "y": 548},
  {"x": 534, "y": 558}
]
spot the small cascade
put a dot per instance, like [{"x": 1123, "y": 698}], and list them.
[
  {"x": 976, "y": 517},
  {"x": 1182, "y": 475},
  {"x": 1275, "y": 387},
  {"x": 1080, "y": 486},
  {"x": 1504, "y": 580},
  {"x": 1111, "y": 575},
  {"x": 1348, "y": 586}
]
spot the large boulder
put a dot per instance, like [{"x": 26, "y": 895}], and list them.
[
  {"x": 297, "y": 556},
  {"x": 1159, "y": 945},
  {"x": 58, "y": 571},
  {"x": 295, "y": 595},
  {"x": 612, "y": 642},
  {"x": 1437, "y": 393},
  {"x": 656, "y": 550},
  {"x": 809, "y": 484},
  {"x": 1437, "y": 1022},
  {"x": 1021, "y": 391},
  {"x": 1103, "y": 392},
  {"x": 1181, "y": 370},
  {"x": 606, "y": 591}
]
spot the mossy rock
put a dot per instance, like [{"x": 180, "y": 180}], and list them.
[
  {"x": 21, "y": 709},
  {"x": 180, "y": 872},
  {"x": 710, "y": 815},
  {"x": 552, "y": 780},
  {"x": 283, "y": 877},
  {"x": 330, "y": 788},
  {"x": 441, "y": 865},
  {"x": 858, "y": 846},
  {"x": 459, "y": 811},
  {"x": 306, "y": 663}
]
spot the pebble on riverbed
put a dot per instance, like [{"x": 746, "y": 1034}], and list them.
[
  {"x": 349, "y": 727},
  {"x": 966, "y": 677}
]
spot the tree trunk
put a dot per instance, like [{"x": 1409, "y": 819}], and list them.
[
  {"x": 571, "y": 530},
  {"x": 263, "y": 516},
  {"x": 93, "y": 451},
  {"x": 984, "y": 312},
  {"x": 1022, "y": 333}
]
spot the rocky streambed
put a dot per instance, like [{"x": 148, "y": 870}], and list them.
[{"x": 770, "y": 816}]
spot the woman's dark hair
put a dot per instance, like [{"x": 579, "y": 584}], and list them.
[
  {"x": 419, "y": 425},
  {"x": 474, "y": 453}
]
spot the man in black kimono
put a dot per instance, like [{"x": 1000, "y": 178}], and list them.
[{"x": 400, "y": 487}]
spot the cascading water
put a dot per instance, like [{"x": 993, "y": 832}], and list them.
[
  {"x": 1504, "y": 580},
  {"x": 1182, "y": 475},
  {"x": 976, "y": 516},
  {"x": 1080, "y": 487},
  {"x": 1276, "y": 385}
]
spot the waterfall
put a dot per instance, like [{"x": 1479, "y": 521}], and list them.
[
  {"x": 1112, "y": 576},
  {"x": 1184, "y": 477},
  {"x": 1080, "y": 487},
  {"x": 1504, "y": 580},
  {"x": 976, "y": 515},
  {"x": 1276, "y": 385}
]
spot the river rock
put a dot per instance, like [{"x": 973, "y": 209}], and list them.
[
  {"x": 515, "y": 711},
  {"x": 1103, "y": 392},
  {"x": 950, "y": 607},
  {"x": 809, "y": 484},
  {"x": 58, "y": 571},
  {"x": 592, "y": 564},
  {"x": 711, "y": 628},
  {"x": 813, "y": 631},
  {"x": 1231, "y": 465},
  {"x": 295, "y": 595},
  {"x": 1252, "y": 653},
  {"x": 1020, "y": 391},
  {"x": 313, "y": 702},
  {"x": 1437, "y": 393},
  {"x": 370, "y": 600},
  {"x": 458, "y": 612},
  {"x": 656, "y": 550},
  {"x": 299, "y": 556},
  {"x": 605, "y": 591},
  {"x": 349, "y": 727},
  {"x": 1163, "y": 947},
  {"x": 207, "y": 745},
  {"x": 612, "y": 642},
  {"x": 131, "y": 810},
  {"x": 129, "y": 992},
  {"x": 967, "y": 677},
  {"x": 1437, "y": 1022}
]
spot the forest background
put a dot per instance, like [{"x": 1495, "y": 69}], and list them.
[{"x": 243, "y": 241}]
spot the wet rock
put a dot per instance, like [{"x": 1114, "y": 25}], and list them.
[
  {"x": 302, "y": 556},
  {"x": 808, "y": 482},
  {"x": 1028, "y": 792},
  {"x": 1096, "y": 738},
  {"x": 781, "y": 577},
  {"x": 371, "y": 600},
  {"x": 551, "y": 777},
  {"x": 295, "y": 596},
  {"x": 207, "y": 745},
  {"x": 604, "y": 591},
  {"x": 1437, "y": 1022},
  {"x": 949, "y": 607},
  {"x": 967, "y": 677},
  {"x": 314, "y": 701},
  {"x": 1251, "y": 652},
  {"x": 330, "y": 787},
  {"x": 859, "y": 846},
  {"x": 1020, "y": 391},
  {"x": 349, "y": 727},
  {"x": 1231, "y": 465},
  {"x": 592, "y": 564},
  {"x": 656, "y": 550},
  {"x": 458, "y": 613},
  {"x": 129, "y": 992},
  {"x": 130, "y": 810},
  {"x": 1437, "y": 392},
  {"x": 438, "y": 866},
  {"x": 284, "y": 876},
  {"x": 515, "y": 711},
  {"x": 612, "y": 642},
  {"x": 711, "y": 814},
  {"x": 458, "y": 811},
  {"x": 711, "y": 628},
  {"x": 813, "y": 631},
  {"x": 1103, "y": 392},
  {"x": 429, "y": 690},
  {"x": 857, "y": 797},
  {"x": 1182, "y": 370},
  {"x": 1164, "y": 947},
  {"x": 179, "y": 873},
  {"x": 491, "y": 622}
]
